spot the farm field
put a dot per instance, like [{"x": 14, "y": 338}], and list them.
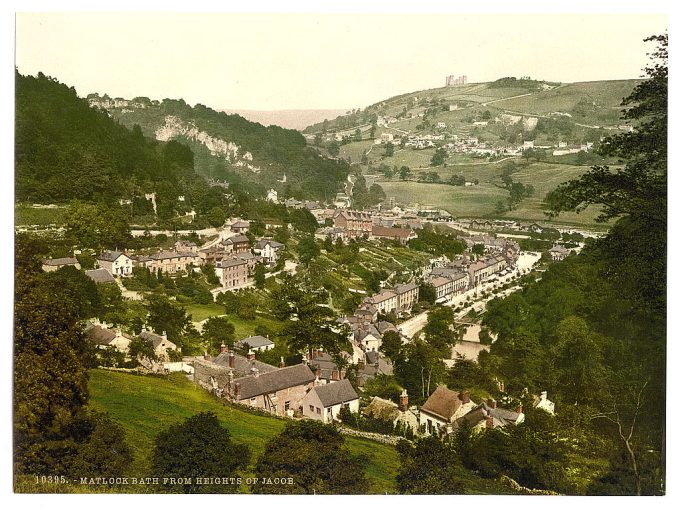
[{"x": 480, "y": 200}]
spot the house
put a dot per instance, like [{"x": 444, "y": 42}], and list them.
[
  {"x": 325, "y": 401},
  {"x": 369, "y": 338},
  {"x": 407, "y": 296},
  {"x": 213, "y": 255},
  {"x": 279, "y": 392},
  {"x": 325, "y": 369},
  {"x": 188, "y": 246},
  {"x": 488, "y": 416},
  {"x": 441, "y": 125},
  {"x": 236, "y": 244},
  {"x": 233, "y": 273},
  {"x": 50, "y": 265},
  {"x": 403, "y": 235},
  {"x": 255, "y": 343},
  {"x": 161, "y": 344},
  {"x": 384, "y": 301},
  {"x": 354, "y": 223},
  {"x": 240, "y": 227},
  {"x": 541, "y": 402},
  {"x": 99, "y": 276},
  {"x": 115, "y": 262},
  {"x": 102, "y": 337},
  {"x": 559, "y": 252},
  {"x": 268, "y": 249},
  {"x": 442, "y": 409},
  {"x": 172, "y": 261},
  {"x": 273, "y": 196},
  {"x": 241, "y": 366},
  {"x": 386, "y": 137},
  {"x": 401, "y": 416}
]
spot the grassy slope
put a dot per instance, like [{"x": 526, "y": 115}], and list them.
[{"x": 144, "y": 406}]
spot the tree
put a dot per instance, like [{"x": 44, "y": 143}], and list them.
[
  {"x": 333, "y": 148},
  {"x": 216, "y": 217},
  {"x": 428, "y": 467},
  {"x": 383, "y": 386},
  {"x": 199, "y": 447},
  {"x": 438, "y": 331},
  {"x": 218, "y": 331},
  {"x": 419, "y": 369},
  {"x": 260, "y": 273},
  {"x": 427, "y": 293},
  {"x": 389, "y": 149},
  {"x": 439, "y": 157},
  {"x": 166, "y": 316},
  {"x": 391, "y": 345},
  {"x": 316, "y": 457},
  {"x": 477, "y": 249},
  {"x": 208, "y": 270},
  {"x": 307, "y": 249},
  {"x": 404, "y": 173}
]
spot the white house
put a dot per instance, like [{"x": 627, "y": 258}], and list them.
[
  {"x": 324, "y": 402},
  {"x": 255, "y": 343},
  {"x": 268, "y": 249},
  {"x": 441, "y": 125},
  {"x": 273, "y": 195},
  {"x": 542, "y": 402},
  {"x": 115, "y": 262}
]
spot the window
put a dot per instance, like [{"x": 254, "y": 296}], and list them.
[
  {"x": 311, "y": 409},
  {"x": 318, "y": 411},
  {"x": 286, "y": 405},
  {"x": 253, "y": 401}
]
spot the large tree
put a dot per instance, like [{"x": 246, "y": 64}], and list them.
[
  {"x": 199, "y": 447},
  {"x": 315, "y": 457}
]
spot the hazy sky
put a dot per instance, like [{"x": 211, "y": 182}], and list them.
[{"x": 286, "y": 61}]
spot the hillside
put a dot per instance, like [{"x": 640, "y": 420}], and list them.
[
  {"x": 249, "y": 156},
  {"x": 551, "y": 131},
  {"x": 66, "y": 150},
  {"x": 144, "y": 406}
]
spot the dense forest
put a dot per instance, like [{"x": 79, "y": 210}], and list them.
[
  {"x": 67, "y": 150},
  {"x": 276, "y": 151}
]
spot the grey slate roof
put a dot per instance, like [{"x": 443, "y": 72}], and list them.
[
  {"x": 242, "y": 365},
  {"x": 173, "y": 255},
  {"x": 98, "y": 335},
  {"x": 236, "y": 239},
  {"x": 271, "y": 382},
  {"x": 335, "y": 393},
  {"x": 66, "y": 261},
  {"x": 254, "y": 341},
  {"x": 110, "y": 256},
  {"x": 264, "y": 242},
  {"x": 100, "y": 275}
]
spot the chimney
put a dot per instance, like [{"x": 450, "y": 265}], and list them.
[
  {"x": 361, "y": 364},
  {"x": 519, "y": 409},
  {"x": 464, "y": 397},
  {"x": 489, "y": 422},
  {"x": 335, "y": 375},
  {"x": 403, "y": 400},
  {"x": 230, "y": 377},
  {"x": 232, "y": 358},
  {"x": 224, "y": 348},
  {"x": 544, "y": 395},
  {"x": 206, "y": 356},
  {"x": 282, "y": 363},
  {"x": 318, "y": 372},
  {"x": 237, "y": 391},
  {"x": 165, "y": 335},
  {"x": 492, "y": 403},
  {"x": 251, "y": 355}
]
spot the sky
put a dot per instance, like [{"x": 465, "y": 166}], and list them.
[{"x": 287, "y": 61}]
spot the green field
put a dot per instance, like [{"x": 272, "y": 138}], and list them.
[
  {"x": 480, "y": 200},
  {"x": 28, "y": 215},
  {"x": 606, "y": 96},
  {"x": 145, "y": 405}
]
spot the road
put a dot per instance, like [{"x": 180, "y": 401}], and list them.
[{"x": 525, "y": 262}]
